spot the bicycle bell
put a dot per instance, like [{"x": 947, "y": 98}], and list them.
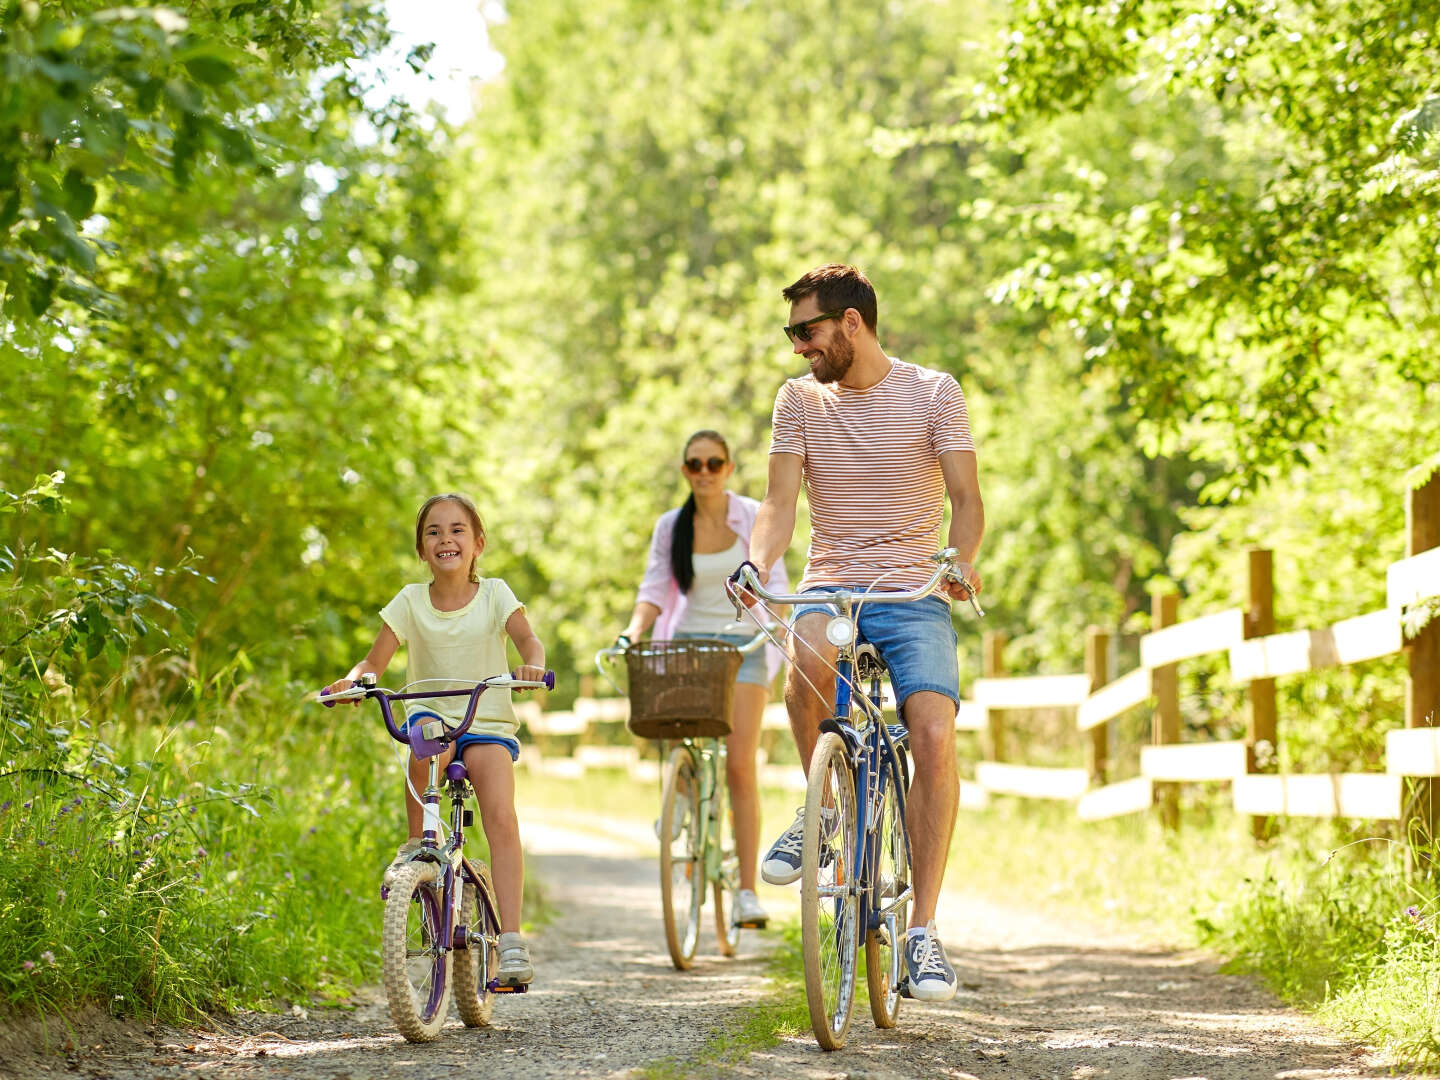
[{"x": 840, "y": 631}]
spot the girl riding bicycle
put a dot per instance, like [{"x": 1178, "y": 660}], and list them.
[
  {"x": 455, "y": 628},
  {"x": 692, "y": 551}
]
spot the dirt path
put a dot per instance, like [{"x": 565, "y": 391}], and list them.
[{"x": 1039, "y": 1000}]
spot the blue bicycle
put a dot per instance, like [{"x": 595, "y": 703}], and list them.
[{"x": 855, "y": 859}]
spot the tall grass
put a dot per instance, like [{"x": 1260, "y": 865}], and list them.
[{"x": 208, "y": 864}]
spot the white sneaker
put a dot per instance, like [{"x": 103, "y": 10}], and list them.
[
  {"x": 515, "y": 968},
  {"x": 928, "y": 974},
  {"x": 748, "y": 914}
]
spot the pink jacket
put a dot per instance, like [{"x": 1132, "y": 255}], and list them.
[{"x": 660, "y": 588}]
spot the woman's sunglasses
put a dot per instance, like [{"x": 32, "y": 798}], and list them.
[
  {"x": 800, "y": 331},
  {"x": 695, "y": 466}
]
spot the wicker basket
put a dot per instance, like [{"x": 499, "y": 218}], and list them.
[{"x": 681, "y": 689}]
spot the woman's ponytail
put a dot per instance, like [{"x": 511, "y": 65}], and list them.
[{"x": 682, "y": 546}]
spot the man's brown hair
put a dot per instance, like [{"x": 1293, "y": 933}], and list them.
[{"x": 837, "y": 287}]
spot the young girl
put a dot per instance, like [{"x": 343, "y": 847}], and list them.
[{"x": 455, "y": 628}]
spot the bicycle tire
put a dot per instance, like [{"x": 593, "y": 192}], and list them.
[
  {"x": 884, "y": 948},
  {"x": 828, "y": 899},
  {"x": 477, "y": 963},
  {"x": 725, "y": 887},
  {"x": 416, "y": 970},
  {"x": 682, "y": 857}
]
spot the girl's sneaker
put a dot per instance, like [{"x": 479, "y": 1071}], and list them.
[
  {"x": 748, "y": 914},
  {"x": 408, "y": 848},
  {"x": 515, "y": 968}
]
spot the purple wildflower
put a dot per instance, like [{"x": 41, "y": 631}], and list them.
[
  {"x": 201, "y": 852},
  {"x": 28, "y": 965},
  {"x": 48, "y": 957},
  {"x": 4, "y": 806}
]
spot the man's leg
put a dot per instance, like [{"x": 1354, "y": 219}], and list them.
[
  {"x": 809, "y": 693},
  {"x": 810, "y": 683},
  {"x": 934, "y": 796}
]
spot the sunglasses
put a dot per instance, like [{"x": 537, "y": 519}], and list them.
[
  {"x": 800, "y": 331},
  {"x": 695, "y": 466}
]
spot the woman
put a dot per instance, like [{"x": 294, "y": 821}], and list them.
[{"x": 692, "y": 551}]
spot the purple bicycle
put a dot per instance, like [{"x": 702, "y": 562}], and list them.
[{"x": 441, "y": 925}]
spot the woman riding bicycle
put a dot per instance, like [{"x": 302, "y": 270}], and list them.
[{"x": 692, "y": 551}]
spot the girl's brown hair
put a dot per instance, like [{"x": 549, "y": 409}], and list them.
[{"x": 470, "y": 512}]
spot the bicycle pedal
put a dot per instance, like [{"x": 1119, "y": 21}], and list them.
[
  {"x": 495, "y": 988},
  {"x": 905, "y": 988}
]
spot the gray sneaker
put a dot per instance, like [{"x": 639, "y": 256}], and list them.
[
  {"x": 782, "y": 861},
  {"x": 401, "y": 858},
  {"x": 515, "y": 968},
  {"x": 928, "y": 974},
  {"x": 748, "y": 913}
]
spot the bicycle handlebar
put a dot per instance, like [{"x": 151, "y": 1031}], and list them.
[
  {"x": 363, "y": 689},
  {"x": 749, "y": 579}
]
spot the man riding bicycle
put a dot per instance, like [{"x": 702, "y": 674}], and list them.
[{"x": 878, "y": 444}]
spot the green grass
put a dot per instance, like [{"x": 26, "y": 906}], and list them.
[{"x": 170, "y": 871}]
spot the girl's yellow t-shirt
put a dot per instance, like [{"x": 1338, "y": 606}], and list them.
[{"x": 465, "y": 645}]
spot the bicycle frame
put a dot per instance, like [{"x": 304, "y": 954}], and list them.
[{"x": 875, "y": 762}]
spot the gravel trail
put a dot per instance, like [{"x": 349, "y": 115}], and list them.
[{"x": 1040, "y": 1000}]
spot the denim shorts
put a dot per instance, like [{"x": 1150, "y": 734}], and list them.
[
  {"x": 752, "y": 664},
  {"x": 916, "y": 640},
  {"x": 470, "y": 738}
]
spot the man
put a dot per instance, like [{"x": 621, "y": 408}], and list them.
[{"x": 878, "y": 444}]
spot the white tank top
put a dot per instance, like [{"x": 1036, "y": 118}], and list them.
[{"x": 707, "y": 609}]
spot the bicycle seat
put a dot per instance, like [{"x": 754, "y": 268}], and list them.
[{"x": 868, "y": 664}]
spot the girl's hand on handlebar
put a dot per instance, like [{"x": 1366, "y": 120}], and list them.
[
  {"x": 964, "y": 583},
  {"x": 336, "y": 687},
  {"x": 528, "y": 673}
]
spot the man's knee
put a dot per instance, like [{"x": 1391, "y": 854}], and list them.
[{"x": 930, "y": 718}]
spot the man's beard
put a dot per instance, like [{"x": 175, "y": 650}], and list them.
[{"x": 836, "y": 360}]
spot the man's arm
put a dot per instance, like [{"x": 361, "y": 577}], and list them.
[
  {"x": 967, "y": 513},
  {"x": 775, "y": 520}
]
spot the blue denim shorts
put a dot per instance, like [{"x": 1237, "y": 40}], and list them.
[
  {"x": 509, "y": 742},
  {"x": 752, "y": 665},
  {"x": 916, "y": 640}
]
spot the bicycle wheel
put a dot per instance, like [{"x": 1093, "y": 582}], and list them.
[
  {"x": 828, "y": 901},
  {"x": 477, "y": 962},
  {"x": 682, "y": 857},
  {"x": 884, "y": 943},
  {"x": 416, "y": 970},
  {"x": 726, "y": 885}
]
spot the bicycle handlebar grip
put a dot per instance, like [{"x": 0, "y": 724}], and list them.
[{"x": 549, "y": 680}]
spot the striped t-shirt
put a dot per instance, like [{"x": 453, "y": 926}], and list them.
[{"x": 871, "y": 468}]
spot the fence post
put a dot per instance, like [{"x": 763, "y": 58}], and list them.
[
  {"x": 1165, "y": 725},
  {"x": 1097, "y": 666},
  {"x": 1264, "y": 750},
  {"x": 993, "y": 667},
  {"x": 1422, "y": 688}
]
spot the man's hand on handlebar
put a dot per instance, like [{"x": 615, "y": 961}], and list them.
[
  {"x": 962, "y": 583},
  {"x": 738, "y": 591}
]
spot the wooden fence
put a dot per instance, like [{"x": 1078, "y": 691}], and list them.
[{"x": 1256, "y": 657}]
